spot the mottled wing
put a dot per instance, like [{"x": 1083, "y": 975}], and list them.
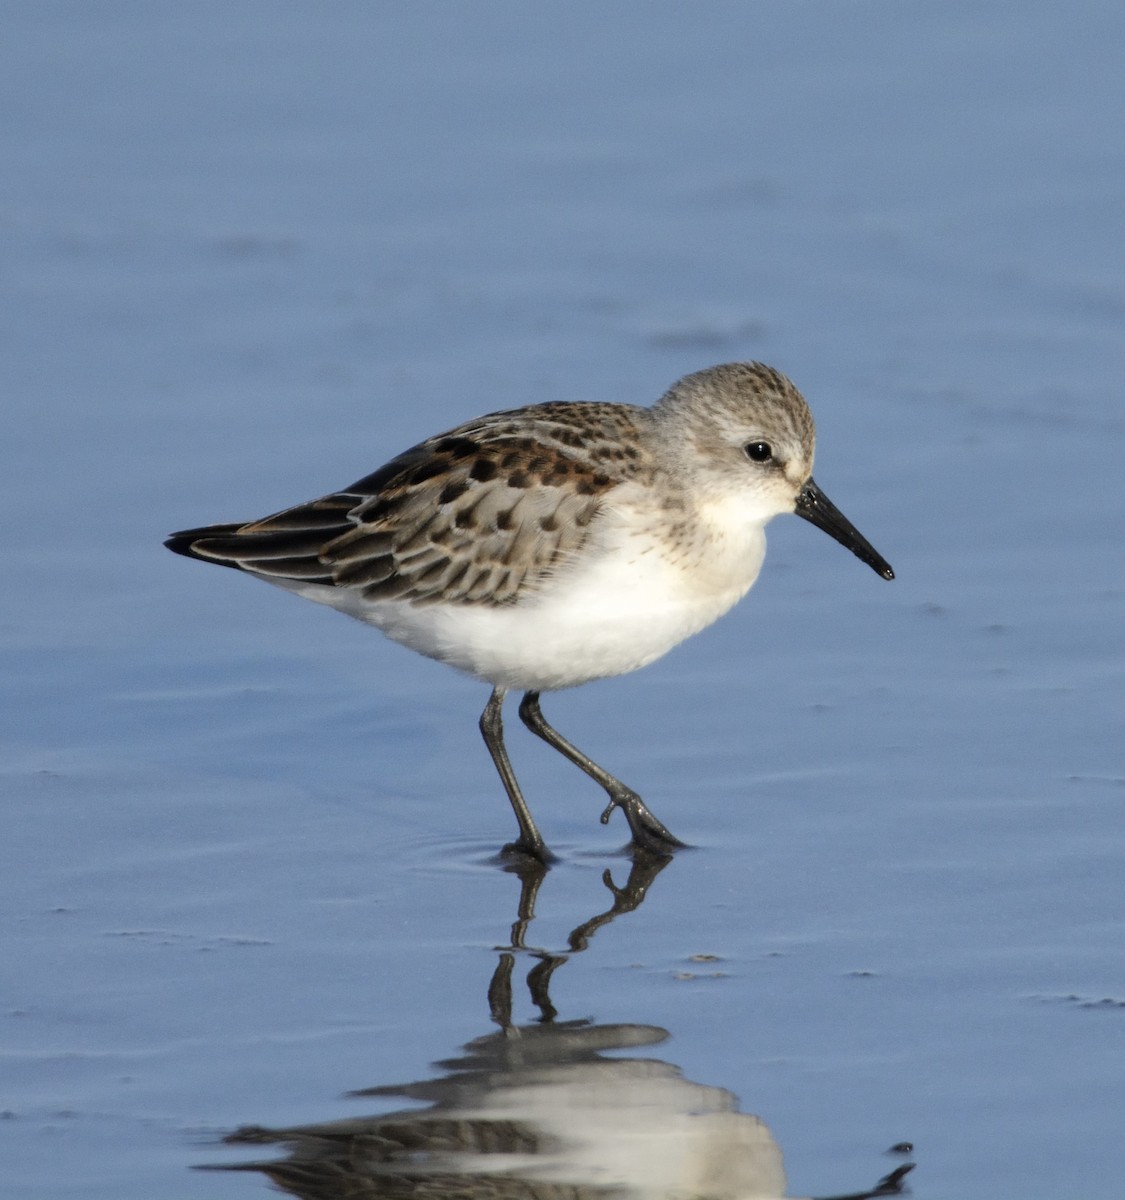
[{"x": 480, "y": 515}]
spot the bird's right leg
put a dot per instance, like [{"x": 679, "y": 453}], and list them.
[
  {"x": 648, "y": 832},
  {"x": 530, "y": 840}
]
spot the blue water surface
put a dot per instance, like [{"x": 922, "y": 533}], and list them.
[{"x": 252, "y": 251}]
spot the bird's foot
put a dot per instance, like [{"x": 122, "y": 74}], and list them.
[
  {"x": 524, "y": 851},
  {"x": 649, "y": 833}
]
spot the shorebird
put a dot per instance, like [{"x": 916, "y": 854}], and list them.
[{"x": 543, "y": 547}]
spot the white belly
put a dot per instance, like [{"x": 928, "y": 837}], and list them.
[
  {"x": 610, "y": 612},
  {"x": 585, "y": 632},
  {"x": 624, "y": 602}
]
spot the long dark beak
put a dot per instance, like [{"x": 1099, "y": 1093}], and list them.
[{"x": 815, "y": 507}]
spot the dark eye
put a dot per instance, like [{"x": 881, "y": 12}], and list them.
[{"x": 759, "y": 451}]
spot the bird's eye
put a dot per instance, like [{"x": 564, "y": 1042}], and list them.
[{"x": 759, "y": 452}]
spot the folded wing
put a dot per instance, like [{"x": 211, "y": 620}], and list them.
[{"x": 477, "y": 516}]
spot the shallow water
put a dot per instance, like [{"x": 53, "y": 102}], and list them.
[{"x": 245, "y": 845}]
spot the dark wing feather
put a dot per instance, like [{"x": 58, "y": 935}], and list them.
[
  {"x": 285, "y": 546},
  {"x": 476, "y": 516}
]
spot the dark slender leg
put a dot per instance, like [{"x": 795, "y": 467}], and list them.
[
  {"x": 648, "y": 832},
  {"x": 530, "y": 840}
]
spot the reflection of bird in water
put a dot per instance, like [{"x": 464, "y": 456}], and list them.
[
  {"x": 540, "y": 1111},
  {"x": 549, "y": 1111}
]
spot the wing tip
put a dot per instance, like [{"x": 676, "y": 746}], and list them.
[{"x": 185, "y": 542}]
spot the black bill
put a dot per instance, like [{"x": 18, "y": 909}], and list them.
[{"x": 815, "y": 507}]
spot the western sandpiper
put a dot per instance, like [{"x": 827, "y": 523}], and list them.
[{"x": 547, "y": 546}]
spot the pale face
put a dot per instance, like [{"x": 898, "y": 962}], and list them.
[{"x": 744, "y": 437}]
